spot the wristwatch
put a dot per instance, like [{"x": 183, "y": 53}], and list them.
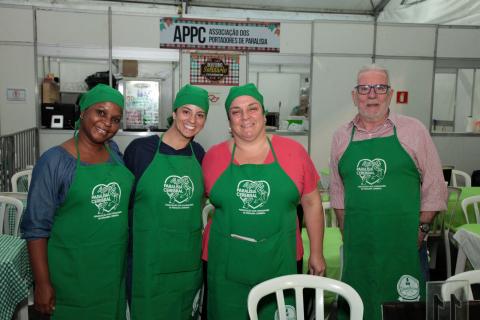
[{"x": 424, "y": 227}]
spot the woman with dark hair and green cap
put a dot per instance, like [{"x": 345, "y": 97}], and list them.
[
  {"x": 76, "y": 221},
  {"x": 166, "y": 214},
  {"x": 255, "y": 181}
]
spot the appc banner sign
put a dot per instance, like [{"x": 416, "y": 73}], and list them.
[{"x": 181, "y": 33}]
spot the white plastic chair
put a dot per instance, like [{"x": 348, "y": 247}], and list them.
[
  {"x": 333, "y": 218},
  {"x": 209, "y": 208},
  {"x": 206, "y": 212},
  {"x": 473, "y": 200},
  {"x": 472, "y": 277},
  {"x": 298, "y": 282},
  {"x": 19, "y": 175},
  {"x": 5, "y": 219},
  {"x": 446, "y": 231},
  {"x": 466, "y": 177}
]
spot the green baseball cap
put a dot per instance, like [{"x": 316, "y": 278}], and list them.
[
  {"x": 101, "y": 93},
  {"x": 248, "y": 89},
  {"x": 189, "y": 94}
]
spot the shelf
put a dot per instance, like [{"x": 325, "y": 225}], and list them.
[
  {"x": 288, "y": 132},
  {"x": 72, "y": 91}
]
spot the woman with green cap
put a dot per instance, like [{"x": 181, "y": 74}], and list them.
[
  {"x": 255, "y": 181},
  {"x": 76, "y": 221},
  {"x": 167, "y": 204}
]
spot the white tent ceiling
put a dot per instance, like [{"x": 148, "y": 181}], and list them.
[
  {"x": 454, "y": 12},
  {"x": 369, "y": 7},
  {"x": 460, "y": 12}
]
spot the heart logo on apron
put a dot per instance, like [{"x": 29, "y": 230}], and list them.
[
  {"x": 106, "y": 197},
  {"x": 371, "y": 171},
  {"x": 178, "y": 189},
  {"x": 254, "y": 194}
]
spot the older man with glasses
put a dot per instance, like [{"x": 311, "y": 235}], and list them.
[{"x": 386, "y": 187}]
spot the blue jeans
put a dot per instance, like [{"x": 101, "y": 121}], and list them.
[{"x": 423, "y": 255}]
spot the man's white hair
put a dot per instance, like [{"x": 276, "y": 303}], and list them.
[{"x": 374, "y": 67}]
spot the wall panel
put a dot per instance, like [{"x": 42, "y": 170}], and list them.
[
  {"x": 135, "y": 31},
  {"x": 458, "y": 43},
  {"x": 406, "y": 40},
  {"x": 295, "y": 38},
  {"x": 415, "y": 77},
  {"x": 72, "y": 28},
  {"x": 16, "y": 24},
  {"x": 343, "y": 37},
  {"x": 18, "y": 63},
  {"x": 461, "y": 152}
]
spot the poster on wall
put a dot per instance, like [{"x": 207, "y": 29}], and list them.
[
  {"x": 214, "y": 69},
  {"x": 182, "y": 33},
  {"x": 141, "y": 104},
  {"x": 16, "y": 94}
]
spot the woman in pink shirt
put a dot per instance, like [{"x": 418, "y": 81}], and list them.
[{"x": 255, "y": 181}]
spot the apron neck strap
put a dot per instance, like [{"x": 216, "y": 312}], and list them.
[
  {"x": 269, "y": 143},
  {"x": 76, "y": 147},
  {"x": 161, "y": 140},
  {"x": 78, "y": 150},
  {"x": 233, "y": 152},
  {"x": 353, "y": 132}
]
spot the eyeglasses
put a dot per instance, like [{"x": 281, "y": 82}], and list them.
[{"x": 377, "y": 88}]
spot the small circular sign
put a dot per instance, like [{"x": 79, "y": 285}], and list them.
[{"x": 408, "y": 288}]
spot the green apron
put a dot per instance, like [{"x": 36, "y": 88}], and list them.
[
  {"x": 382, "y": 208},
  {"x": 167, "y": 230},
  {"x": 252, "y": 237},
  {"x": 88, "y": 243}
]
